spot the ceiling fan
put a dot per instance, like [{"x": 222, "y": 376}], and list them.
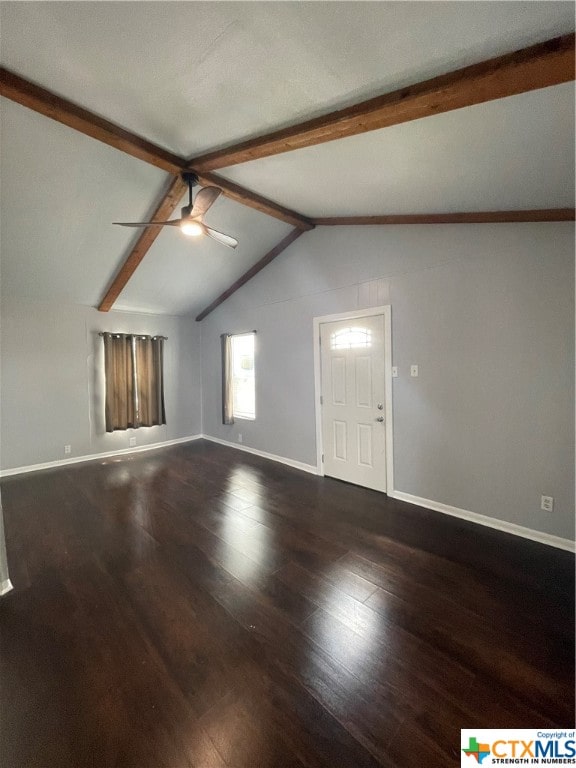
[{"x": 191, "y": 222}]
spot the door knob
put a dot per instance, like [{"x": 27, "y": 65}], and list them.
[{"x": 380, "y": 418}]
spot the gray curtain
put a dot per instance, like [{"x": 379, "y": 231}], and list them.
[
  {"x": 134, "y": 381},
  {"x": 227, "y": 388}
]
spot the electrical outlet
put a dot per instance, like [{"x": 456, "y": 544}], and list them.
[
  {"x": 547, "y": 503},
  {"x": 239, "y": 437},
  {"x": 132, "y": 442},
  {"x": 394, "y": 371},
  {"x": 67, "y": 449},
  {"x": 414, "y": 370}
]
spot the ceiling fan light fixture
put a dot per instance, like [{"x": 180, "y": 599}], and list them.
[{"x": 191, "y": 228}]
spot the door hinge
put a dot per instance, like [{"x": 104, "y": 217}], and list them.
[
  {"x": 322, "y": 458},
  {"x": 321, "y": 400}
]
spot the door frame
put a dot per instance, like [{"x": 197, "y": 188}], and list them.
[{"x": 386, "y": 312}]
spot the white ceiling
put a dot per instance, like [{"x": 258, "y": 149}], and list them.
[
  {"x": 193, "y": 76},
  {"x": 514, "y": 153}
]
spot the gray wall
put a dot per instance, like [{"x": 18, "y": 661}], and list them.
[
  {"x": 486, "y": 311},
  {"x": 52, "y": 381}
]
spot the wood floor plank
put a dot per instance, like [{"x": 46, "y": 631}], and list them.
[
  {"x": 200, "y": 607},
  {"x": 244, "y": 739},
  {"x": 282, "y": 649}
]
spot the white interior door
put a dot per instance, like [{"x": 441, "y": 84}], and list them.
[{"x": 352, "y": 403}]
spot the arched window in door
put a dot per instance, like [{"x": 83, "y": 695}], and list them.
[{"x": 351, "y": 338}]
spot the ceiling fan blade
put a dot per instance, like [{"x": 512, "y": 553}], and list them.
[
  {"x": 204, "y": 199},
  {"x": 220, "y": 237},
  {"x": 172, "y": 223}
]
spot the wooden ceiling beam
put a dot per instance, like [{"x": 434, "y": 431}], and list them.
[
  {"x": 165, "y": 208},
  {"x": 252, "y": 200},
  {"x": 539, "y": 66},
  {"x": 473, "y": 217},
  {"x": 45, "y": 102},
  {"x": 49, "y": 104},
  {"x": 263, "y": 262}
]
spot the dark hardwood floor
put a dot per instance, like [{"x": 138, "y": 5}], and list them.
[{"x": 198, "y": 606}]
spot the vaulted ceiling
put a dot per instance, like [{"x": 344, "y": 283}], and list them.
[{"x": 192, "y": 77}]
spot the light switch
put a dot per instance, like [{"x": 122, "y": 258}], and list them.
[
  {"x": 394, "y": 371},
  {"x": 413, "y": 370}
]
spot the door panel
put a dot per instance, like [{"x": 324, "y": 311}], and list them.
[
  {"x": 363, "y": 382},
  {"x": 365, "y": 438},
  {"x": 353, "y": 406},
  {"x": 338, "y": 381},
  {"x": 340, "y": 441}
]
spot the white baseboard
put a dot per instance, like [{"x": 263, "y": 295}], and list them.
[
  {"x": 5, "y": 587},
  {"x": 490, "y": 522},
  {"x": 473, "y": 517},
  {"x": 264, "y": 455},
  {"x": 95, "y": 456}
]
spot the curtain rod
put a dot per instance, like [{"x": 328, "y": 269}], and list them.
[{"x": 137, "y": 335}]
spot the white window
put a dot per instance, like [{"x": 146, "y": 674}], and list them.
[{"x": 243, "y": 381}]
